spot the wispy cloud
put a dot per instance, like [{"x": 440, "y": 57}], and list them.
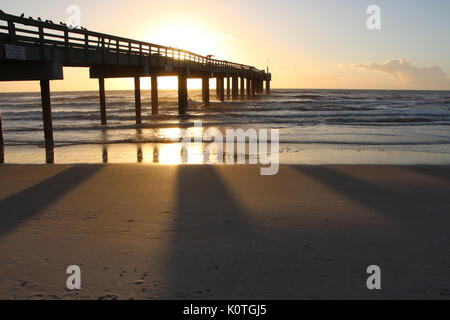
[{"x": 401, "y": 70}]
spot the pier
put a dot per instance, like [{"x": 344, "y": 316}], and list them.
[{"x": 37, "y": 50}]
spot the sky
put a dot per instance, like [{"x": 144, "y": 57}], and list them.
[{"x": 306, "y": 44}]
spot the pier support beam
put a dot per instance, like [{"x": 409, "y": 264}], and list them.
[
  {"x": 228, "y": 88},
  {"x": 137, "y": 98},
  {"x": 253, "y": 83},
  {"x": 101, "y": 86},
  {"x": 249, "y": 88},
  {"x": 218, "y": 88},
  {"x": 221, "y": 88},
  {"x": 242, "y": 88},
  {"x": 205, "y": 91},
  {"x": 235, "y": 88},
  {"x": 182, "y": 94},
  {"x": 2, "y": 143},
  {"x": 47, "y": 117},
  {"x": 154, "y": 94},
  {"x": 268, "y": 86}
]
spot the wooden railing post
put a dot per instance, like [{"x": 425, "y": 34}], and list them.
[
  {"x": 103, "y": 49},
  {"x": 129, "y": 52},
  {"x": 117, "y": 51},
  {"x": 12, "y": 32},
  {"x": 159, "y": 55},
  {"x": 86, "y": 46},
  {"x": 41, "y": 41}
]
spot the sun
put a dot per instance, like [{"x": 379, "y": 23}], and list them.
[{"x": 187, "y": 35}]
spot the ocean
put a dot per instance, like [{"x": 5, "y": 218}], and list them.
[{"x": 315, "y": 126}]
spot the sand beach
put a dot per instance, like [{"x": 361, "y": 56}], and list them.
[{"x": 224, "y": 232}]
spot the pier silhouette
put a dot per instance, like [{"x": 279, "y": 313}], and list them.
[{"x": 38, "y": 50}]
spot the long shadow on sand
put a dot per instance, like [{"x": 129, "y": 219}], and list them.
[
  {"x": 217, "y": 251},
  {"x": 24, "y": 205},
  {"x": 398, "y": 204},
  {"x": 440, "y": 172}
]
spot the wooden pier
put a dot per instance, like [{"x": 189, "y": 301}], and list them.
[{"x": 36, "y": 50}]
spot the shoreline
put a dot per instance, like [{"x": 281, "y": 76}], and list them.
[
  {"x": 224, "y": 232},
  {"x": 290, "y": 154}
]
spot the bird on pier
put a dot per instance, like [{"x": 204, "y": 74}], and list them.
[
  {"x": 31, "y": 18},
  {"x": 22, "y": 15},
  {"x": 39, "y": 18},
  {"x": 83, "y": 28},
  {"x": 63, "y": 24}
]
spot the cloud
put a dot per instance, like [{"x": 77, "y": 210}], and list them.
[{"x": 401, "y": 70}]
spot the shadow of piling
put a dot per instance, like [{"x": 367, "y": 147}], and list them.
[{"x": 22, "y": 206}]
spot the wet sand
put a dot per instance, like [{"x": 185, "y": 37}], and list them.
[{"x": 224, "y": 232}]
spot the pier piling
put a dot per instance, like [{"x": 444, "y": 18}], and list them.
[
  {"x": 221, "y": 84},
  {"x": 137, "y": 98},
  {"x": 154, "y": 94},
  {"x": 249, "y": 88},
  {"x": 101, "y": 86},
  {"x": 228, "y": 88},
  {"x": 47, "y": 117},
  {"x": 242, "y": 88},
  {"x": 182, "y": 94},
  {"x": 205, "y": 91},
  {"x": 235, "y": 88}
]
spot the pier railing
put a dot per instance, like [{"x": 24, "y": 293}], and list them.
[{"x": 18, "y": 30}]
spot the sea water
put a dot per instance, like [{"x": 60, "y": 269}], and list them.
[{"x": 315, "y": 126}]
